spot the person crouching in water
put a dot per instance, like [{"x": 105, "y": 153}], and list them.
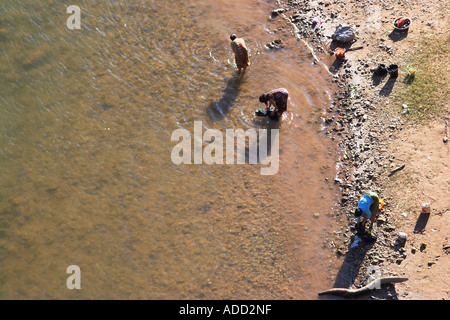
[
  {"x": 240, "y": 53},
  {"x": 277, "y": 98},
  {"x": 368, "y": 208}
]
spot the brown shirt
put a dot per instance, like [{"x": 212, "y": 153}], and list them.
[{"x": 240, "y": 52}]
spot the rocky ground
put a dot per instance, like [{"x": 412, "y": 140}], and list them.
[{"x": 405, "y": 162}]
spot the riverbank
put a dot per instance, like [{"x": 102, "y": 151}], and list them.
[{"x": 396, "y": 148}]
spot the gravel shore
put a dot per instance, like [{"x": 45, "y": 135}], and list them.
[{"x": 365, "y": 129}]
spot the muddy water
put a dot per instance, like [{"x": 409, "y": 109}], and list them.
[{"x": 87, "y": 177}]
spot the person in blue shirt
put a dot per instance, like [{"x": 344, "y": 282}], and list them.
[{"x": 368, "y": 207}]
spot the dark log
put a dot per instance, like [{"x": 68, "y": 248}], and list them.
[{"x": 375, "y": 284}]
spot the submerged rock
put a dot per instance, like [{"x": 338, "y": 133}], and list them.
[{"x": 275, "y": 44}]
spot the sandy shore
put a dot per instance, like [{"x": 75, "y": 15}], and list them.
[{"x": 383, "y": 150}]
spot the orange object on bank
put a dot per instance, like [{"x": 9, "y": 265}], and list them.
[
  {"x": 339, "y": 52},
  {"x": 381, "y": 205}
]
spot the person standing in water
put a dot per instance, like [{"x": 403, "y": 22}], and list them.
[
  {"x": 240, "y": 53},
  {"x": 277, "y": 98}
]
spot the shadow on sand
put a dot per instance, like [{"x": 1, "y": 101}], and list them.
[
  {"x": 351, "y": 267},
  {"x": 421, "y": 222},
  {"x": 398, "y": 35},
  {"x": 388, "y": 86},
  {"x": 378, "y": 77}
]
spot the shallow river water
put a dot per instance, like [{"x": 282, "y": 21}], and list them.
[{"x": 86, "y": 174}]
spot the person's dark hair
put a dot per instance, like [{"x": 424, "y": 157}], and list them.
[
  {"x": 358, "y": 212},
  {"x": 263, "y": 98},
  {"x": 232, "y": 37}
]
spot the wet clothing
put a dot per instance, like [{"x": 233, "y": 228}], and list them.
[
  {"x": 240, "y": 53},
  {"x": 280, "y": 96},
  {"x": 369, "y": 204}
]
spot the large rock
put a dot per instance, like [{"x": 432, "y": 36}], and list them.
[{"x": 344, "y": 34}]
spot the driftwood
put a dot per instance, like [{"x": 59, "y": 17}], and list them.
[
  {"x": 396, "y": 169},
  {"x": 375, "y": 284},
  {"x": 356, "y": 48}
]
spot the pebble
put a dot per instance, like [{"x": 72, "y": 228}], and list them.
[
  {"x": 402, "y": 235},
  {"x": 422, "y": 247}
]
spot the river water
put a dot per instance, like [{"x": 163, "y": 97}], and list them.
[{"x": 87, "y": 179}]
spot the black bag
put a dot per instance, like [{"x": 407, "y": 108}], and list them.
[{"x": 369, "y": 236}]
